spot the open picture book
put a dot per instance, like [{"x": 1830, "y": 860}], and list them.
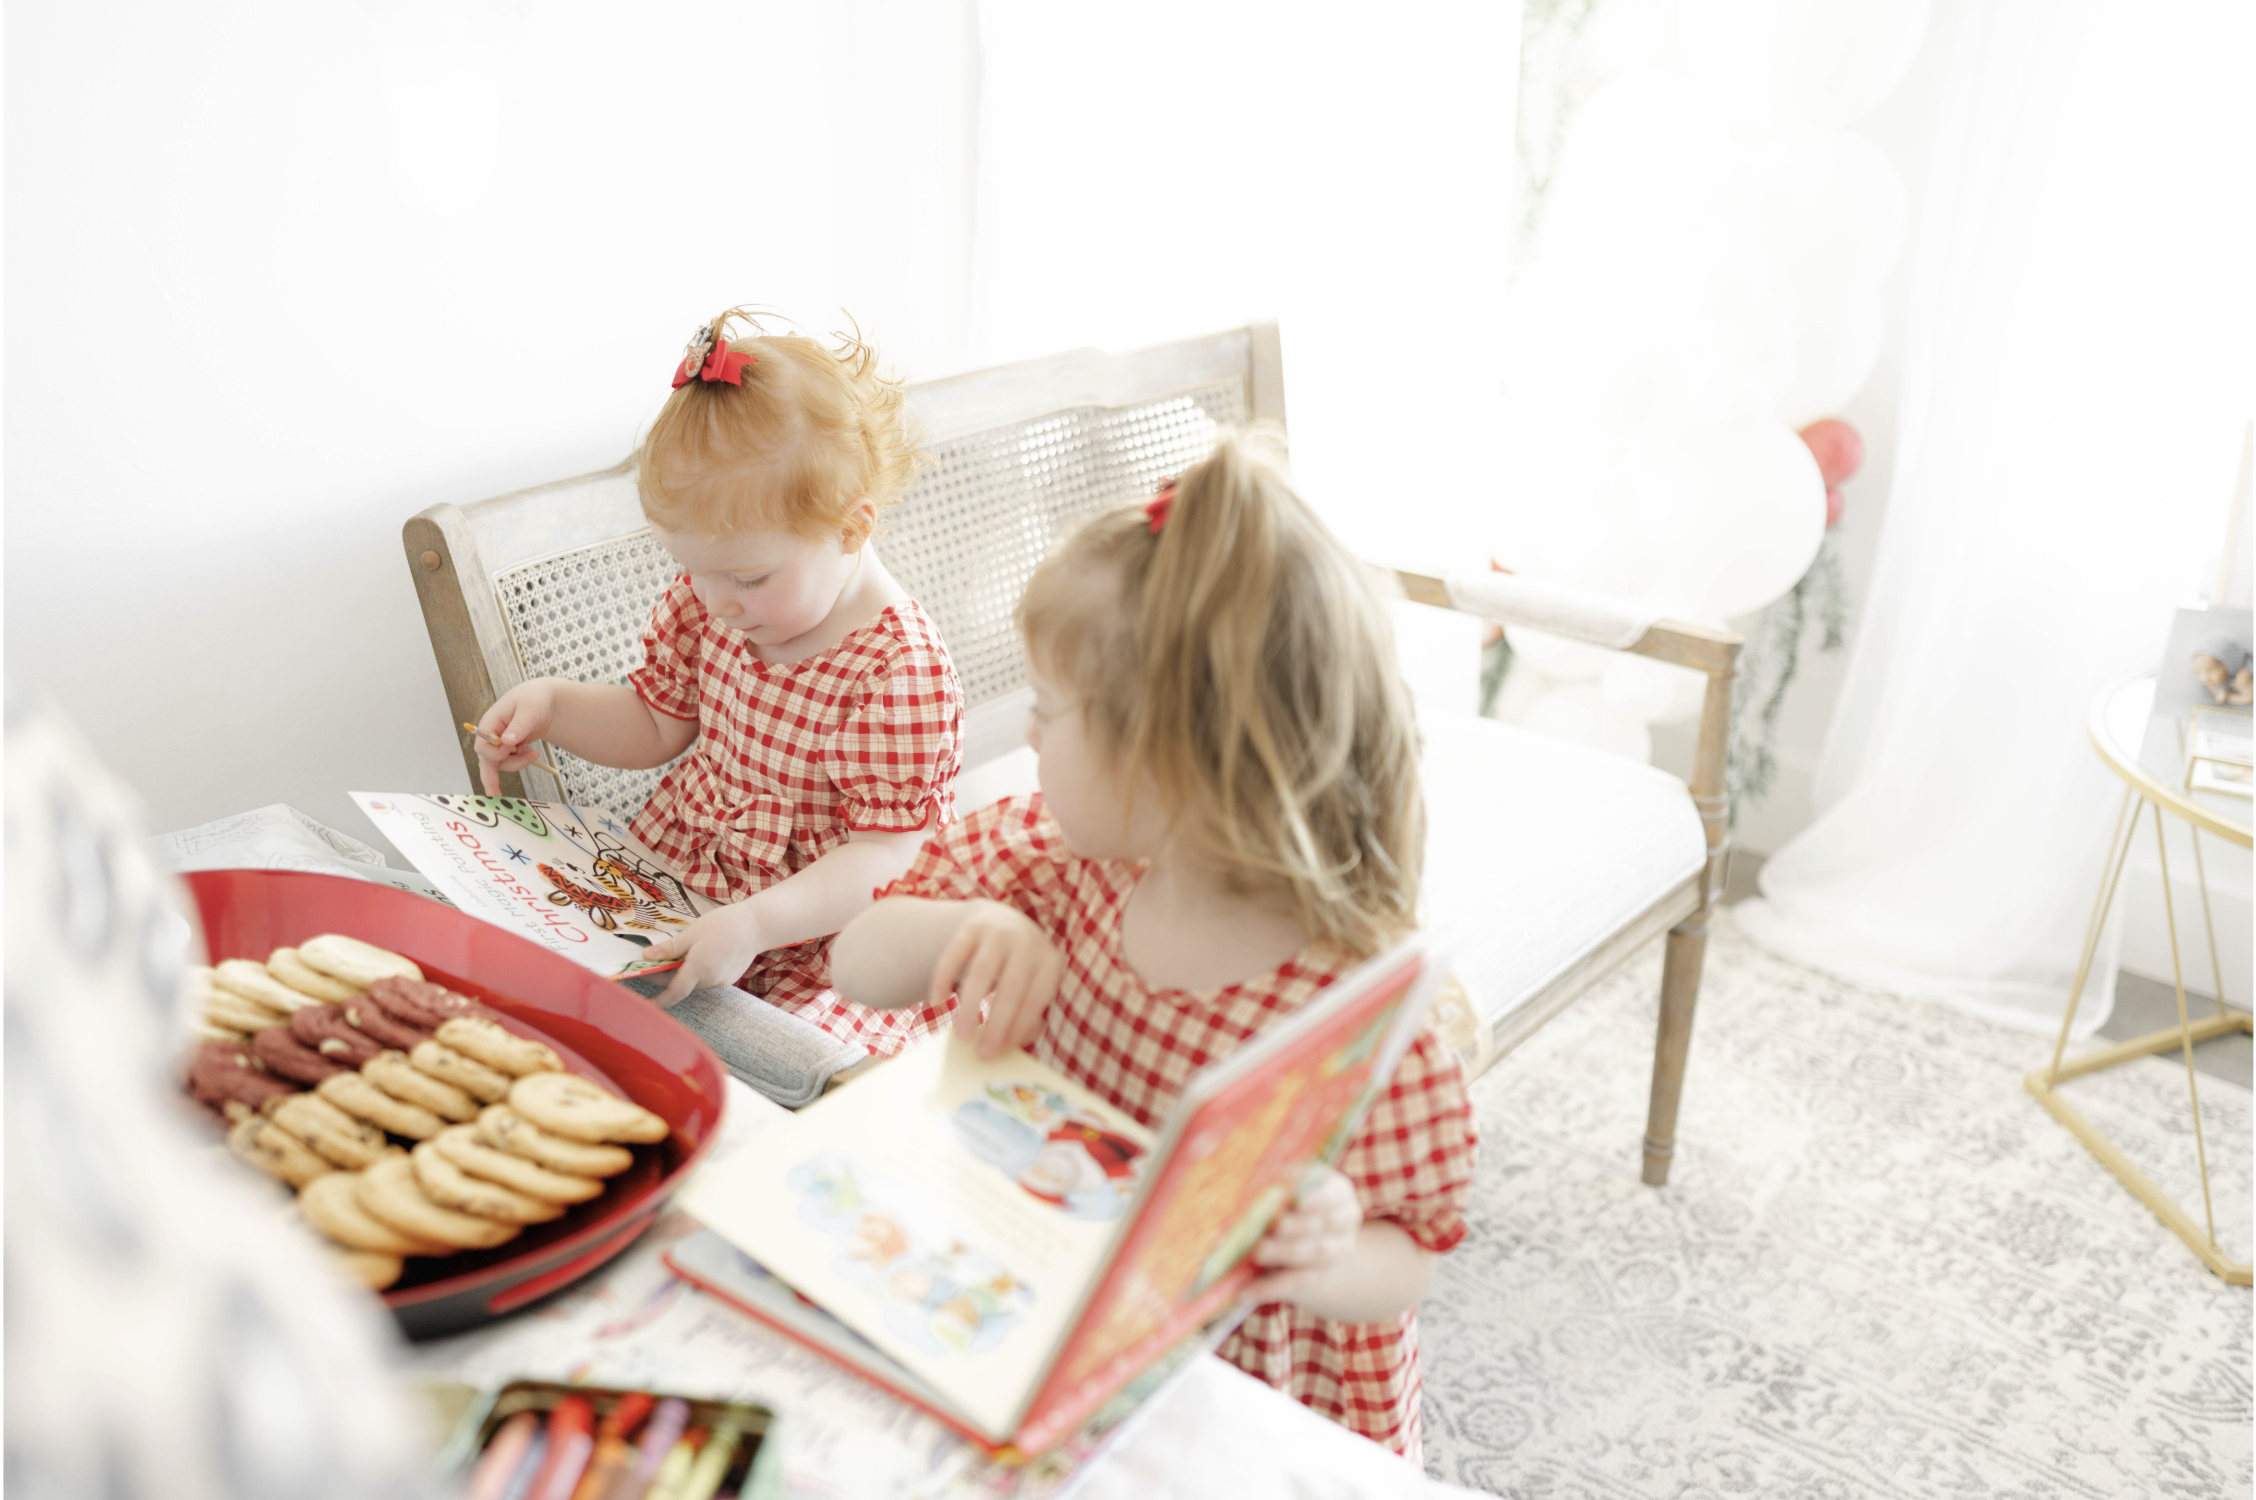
[
  {"x": 993, "y": 1242},
  {"x": 572, "y": 879}
]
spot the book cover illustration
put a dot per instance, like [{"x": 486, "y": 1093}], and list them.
[
  {"x": 574, "y": 880},
  {"x": 1240, "y": 1157}
]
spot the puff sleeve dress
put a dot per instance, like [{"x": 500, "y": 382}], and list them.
[
  {"x": 1135, "y": 1045},
  {"x": 866, "y": 736}
]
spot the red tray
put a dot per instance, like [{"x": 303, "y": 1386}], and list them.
[{"x": 601, "y": 1031}]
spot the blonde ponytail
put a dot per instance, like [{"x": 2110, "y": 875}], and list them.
[{"x": 1245, "y": 665}]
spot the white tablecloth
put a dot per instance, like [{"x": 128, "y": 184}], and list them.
[{"x": 1216, "y": 1431}]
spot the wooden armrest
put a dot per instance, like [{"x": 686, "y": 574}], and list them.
[
  {"x": 1700, "y": 647},
  {"x": 1606, "y": 624}
]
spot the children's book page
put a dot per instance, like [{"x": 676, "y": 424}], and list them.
[
  {"x": 572, "y": 879},
  {"x": 950, "y": 1210}
]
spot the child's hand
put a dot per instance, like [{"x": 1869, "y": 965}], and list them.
[
  {"x": 999, "y": 956},
  {"x": 715, "y": 949},
  {"x": 518, "y": 717},
  {"x": 1309, "y": 1241}
]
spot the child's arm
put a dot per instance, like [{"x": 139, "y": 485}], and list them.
[
  {"x": 605, "y": 722},
  {"x": 1327, "y": 1259},
  {"x": 908, "y": 951},
  {"x": 718, "y": 947}
]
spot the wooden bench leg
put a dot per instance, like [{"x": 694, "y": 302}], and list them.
[{"x": 1680, "y": 990}]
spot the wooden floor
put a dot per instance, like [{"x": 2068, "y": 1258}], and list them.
[{"x": 2141, "y": 1005}]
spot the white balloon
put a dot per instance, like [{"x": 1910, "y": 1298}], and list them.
[
  {"x": 1800, "y": 64},
  {"x": 1648, "y": 157},
  {"x": 1780, "y": 520},
  {"x": 1832, "y": 216},
  {"x": 1833, "y": 358},
  {"x": 1578, "y": 711},
  {"x": 1652, "y": 692},
  {"x": 1736, "y": 511}
]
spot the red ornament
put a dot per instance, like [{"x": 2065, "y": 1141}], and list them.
[
  {"x": 1839, "y": 451},
  {"x": 1837, "y": 447}
]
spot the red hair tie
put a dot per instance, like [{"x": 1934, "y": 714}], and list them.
[
  {"x": 708, "y": 358},
  {"x": 1159, "y": 505}
]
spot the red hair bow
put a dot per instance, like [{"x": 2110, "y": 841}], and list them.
[
  {"x": 1159, "y": 505},
  {"x": 708, "y": 358}
]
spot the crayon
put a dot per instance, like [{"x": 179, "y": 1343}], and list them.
[
  {"x": 535, "y": 1456},
  {"x": 713, "y": 1459},
  {"x": 612, "y": 1452},
  {"x": 658, "y": 1438},
  {"x": 675, "y": 1470},
  {"x": 505, "y": 1450},
  {"x": 571, "y": 1438}
]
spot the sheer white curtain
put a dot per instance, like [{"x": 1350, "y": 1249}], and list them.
[{"x": 2078, "y": 367}]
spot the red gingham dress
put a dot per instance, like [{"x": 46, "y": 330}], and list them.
[
  {"x": 1135, "y": 1046},
  {"x": 866, "y": 736}
]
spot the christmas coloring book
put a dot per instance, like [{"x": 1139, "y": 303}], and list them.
[{"x": 572, "y": 879}]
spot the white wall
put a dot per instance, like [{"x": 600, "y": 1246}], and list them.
[
  {"x": 283, "y": 272},
  {"x": 280, "y": 274}
]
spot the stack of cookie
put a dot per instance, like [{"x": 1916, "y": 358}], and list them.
[{"x": 503, "y": 1137}]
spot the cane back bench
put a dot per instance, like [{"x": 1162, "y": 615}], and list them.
[{"x": 1551, "y": 862}]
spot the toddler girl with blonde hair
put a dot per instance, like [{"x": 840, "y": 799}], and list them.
[
  {"x": 823, "y": 718},
  {"x": 1229, "y": 821}
]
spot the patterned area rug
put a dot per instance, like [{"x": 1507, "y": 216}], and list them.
[{"x": 1880, "y": 1268}]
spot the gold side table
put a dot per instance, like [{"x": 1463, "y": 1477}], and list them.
[{"x": 2153, "y": 769}]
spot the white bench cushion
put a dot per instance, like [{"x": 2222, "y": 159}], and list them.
[{"x": 1536, "y": 849}]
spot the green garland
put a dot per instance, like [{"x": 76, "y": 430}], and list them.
[{"x": 1768, "y": 664}]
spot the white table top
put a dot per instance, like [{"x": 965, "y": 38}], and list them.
[{"x": 634, "y": 1324}]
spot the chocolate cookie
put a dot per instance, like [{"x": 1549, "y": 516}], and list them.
[
  {"x": 460, "y": 1145},
  {"x": 390, "y": 1193},
  {"x": 354, "y": 961},
  {"x": 331, "y": 1206},
  {"x": 270, "y": 1148},
  {"x": 395, "y": 1075},
  {"x": 504, "y": 1129},
  {"x": 285, "y": 965},
  {"x": 573, "y": 1107},
  {"x": 325, "y": 1029},
  {"x": 357, "y": 1097},
  {"x": 467, "y": 1074},
  {"x": 371, "y": 1270},
  {"x": 386, "y": 1029},
  {"x": 421, "y": 1003},
  {"x": 221, "y": 1073},
  {"x": 329, "y": 1132},
  {"x": 286, "y": 1055},
  {"x": 251, "y": 981},
  {"x": 497, "y": 1047},
  {"x": 449, "y": 1186}
]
